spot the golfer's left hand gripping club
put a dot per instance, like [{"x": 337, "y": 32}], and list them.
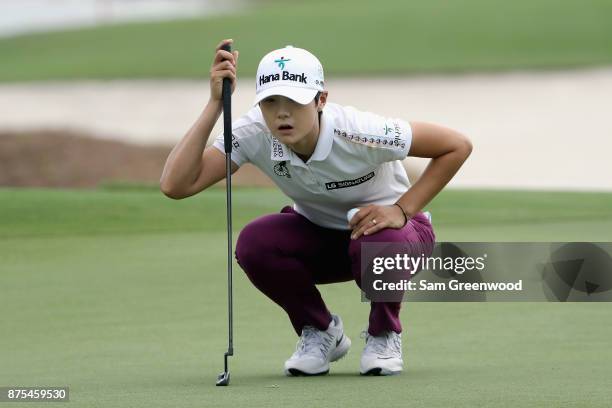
[{"x": 224, "y": 377}]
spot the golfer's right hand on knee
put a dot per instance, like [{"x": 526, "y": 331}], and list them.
[{"x": 224, "y": 66}]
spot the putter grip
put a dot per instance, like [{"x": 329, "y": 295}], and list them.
[{"x": 227, "y": 109}]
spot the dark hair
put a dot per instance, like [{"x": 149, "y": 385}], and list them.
[{"x": 316, "y": 99}]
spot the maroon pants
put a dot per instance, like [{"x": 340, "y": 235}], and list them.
[{"x": 285, "y": 256}]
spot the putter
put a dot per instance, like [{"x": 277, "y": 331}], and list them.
[{"x": 224, "y": 378}]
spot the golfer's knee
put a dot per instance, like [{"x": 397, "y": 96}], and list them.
[
  {"x": 246, "y": 248},
  {"x": 253, "y": 246}
]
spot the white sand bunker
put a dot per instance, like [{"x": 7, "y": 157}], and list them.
[{"x": 545, "y": 130}]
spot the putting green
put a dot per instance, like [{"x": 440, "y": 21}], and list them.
[{"x": 122, "y": 296}]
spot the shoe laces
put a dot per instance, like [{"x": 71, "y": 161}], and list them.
[
  {"x": 314, "y": 342},
  {"x": 387, "y": 344}
]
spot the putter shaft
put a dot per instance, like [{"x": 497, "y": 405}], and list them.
[{"x": 224, "y": 377}]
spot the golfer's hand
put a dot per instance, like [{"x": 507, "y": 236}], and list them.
[
  {"x": 373, "y": 218},
  {"x": 224, "y": 66}
]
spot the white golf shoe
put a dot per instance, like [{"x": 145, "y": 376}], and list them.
[
  {"x": 317, "y": 348},
  {"x": 382, "y": 354}
]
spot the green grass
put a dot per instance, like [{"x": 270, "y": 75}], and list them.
[
  {"x": 121, "y": 295},
  {"x": 351, "y": 38}
]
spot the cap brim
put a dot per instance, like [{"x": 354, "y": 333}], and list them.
[{"x": 303, "y": 96}]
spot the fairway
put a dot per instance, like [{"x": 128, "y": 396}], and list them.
[
  {"x": 120, "y": 294},
  {"x": 387, "y": 37}
]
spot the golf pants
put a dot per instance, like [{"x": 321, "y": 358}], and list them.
[{"x": 285, "y": 255}]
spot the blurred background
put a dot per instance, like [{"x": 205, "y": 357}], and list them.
[
  {"x": 28, "y": 16},
  {"x": 98, "y": 90}
]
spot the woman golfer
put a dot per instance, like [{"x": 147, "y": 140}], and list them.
[{"x": 328, "y": 159}]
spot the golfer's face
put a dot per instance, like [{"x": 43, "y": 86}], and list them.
[{"x": 288, "y": 120}]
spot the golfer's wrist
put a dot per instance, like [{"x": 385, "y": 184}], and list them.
[
  {"x": 408, "y": 212},
  {"x": 216, "y": 105},
  {"x": 402, "y": 215}
]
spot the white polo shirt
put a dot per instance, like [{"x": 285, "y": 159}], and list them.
[{"x": 356, "y": 162}]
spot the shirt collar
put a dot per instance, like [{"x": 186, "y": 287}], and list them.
[
  {"x": 325, "y": 141},
  {"x": 281, "y": 152}
]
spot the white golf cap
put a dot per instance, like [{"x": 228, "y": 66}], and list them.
[{"x": 291, "y": 72}]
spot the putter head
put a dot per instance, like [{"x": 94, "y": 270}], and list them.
[{"x": 223, "y": 379}]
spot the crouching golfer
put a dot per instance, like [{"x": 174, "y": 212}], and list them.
[{"x": 328, "y": 159}]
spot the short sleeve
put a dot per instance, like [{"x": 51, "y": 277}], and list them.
[
  {"x": 386, "y": 139},
  {"x": 239, "y": 154},
  {"x": 246, "y": 131}
]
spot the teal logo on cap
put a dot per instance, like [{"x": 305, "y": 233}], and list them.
[{"x": 281, "y": 62}]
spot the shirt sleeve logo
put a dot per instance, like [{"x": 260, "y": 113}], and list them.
[
  {"x": 235, "y": 142},
  {"x": 393, "y": 142}
]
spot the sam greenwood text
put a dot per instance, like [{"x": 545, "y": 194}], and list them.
[{"x": 453, "y": 285}]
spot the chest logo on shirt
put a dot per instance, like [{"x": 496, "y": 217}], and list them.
[
  {"x": 333, "y": 185},
  {"x": 277, "y": 150},
  {"x": 280, "y": 169}
]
